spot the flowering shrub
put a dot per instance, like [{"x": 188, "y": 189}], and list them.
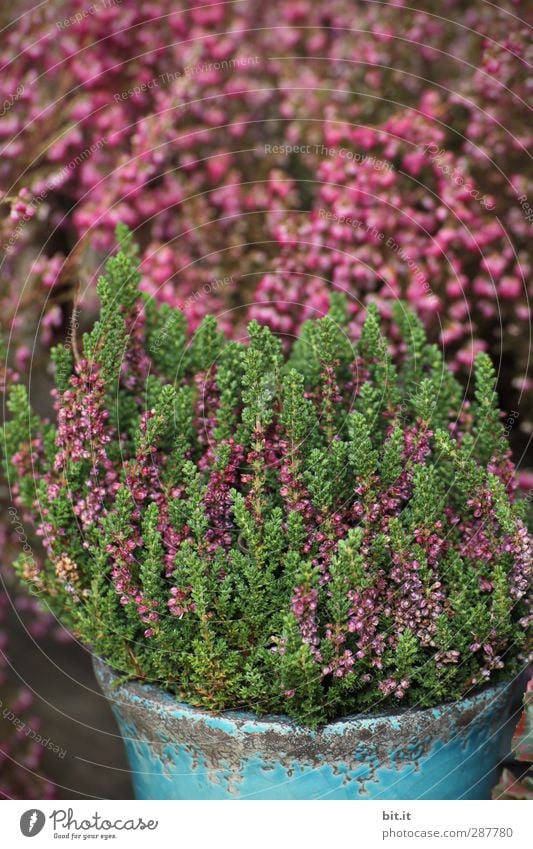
[
  {"x": 311, "y": 533},
  {"x": 392, "y": 224}
]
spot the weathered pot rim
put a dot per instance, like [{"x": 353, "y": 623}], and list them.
[{"x": 137, "y": 692}]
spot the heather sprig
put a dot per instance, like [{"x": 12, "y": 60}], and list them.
[{"x": 313, "y": 533}]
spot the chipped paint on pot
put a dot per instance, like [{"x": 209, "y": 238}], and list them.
[{"x": 179, "y": 752}]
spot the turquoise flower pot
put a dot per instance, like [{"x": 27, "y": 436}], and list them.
[{"x": 452, "y": 751}]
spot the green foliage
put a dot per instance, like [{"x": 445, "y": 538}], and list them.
[
  {"x": 24, "y": 433},
  {"x": 160, "y": 426},
  {"x": 298, "y": 416},
  {"x": 261, "y": 375},
  {"x": 312, "y": 533},
  {"x": 62, "y": 360},
  {"x": 206, "y": 346},
  {"x": 424, "y": 401},
  {"x": 362, "y": 456},
  {"x": 229, "y": 381},
  {"x": 391, "y": 464},
  {"x": 152, "y": 558},
  {"x": 488, "y": 429},
  {"x": 372, "y": 346},
  {"x": 406, "y": 655},
  {"x": 122, "y": 273},
  {"x": 166, "y": 339},
  {"x": 107, "y": 341},
  {"x": 418, "y": 351}
]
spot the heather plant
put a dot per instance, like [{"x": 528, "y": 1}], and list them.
[
  {"x": 314, "y": 532},
  {"x": 441, "y": 248},
  {"x": 116, "y": 125}
]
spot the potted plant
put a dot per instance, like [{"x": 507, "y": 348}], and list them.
[{"x": 303, "y": 570}]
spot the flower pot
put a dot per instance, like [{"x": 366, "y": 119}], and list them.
[{"x": 179, "y": 752}]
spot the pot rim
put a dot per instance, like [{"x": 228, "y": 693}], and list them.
[{"x": 135, "y": 689}]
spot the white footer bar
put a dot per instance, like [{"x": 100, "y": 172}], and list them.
[{"x": 265, "y": 825}]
